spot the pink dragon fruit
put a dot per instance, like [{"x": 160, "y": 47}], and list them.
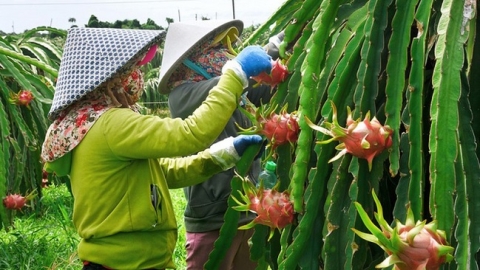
[
  {"x": 363, "y": 139},
  {"x": 278, "y": 74},
  {"x": 279, "y": 128},
  {"x": 410, "y": 246},
  {"x": 17, "y": 201},
  {"x": 22, "y": 98},
  {"x": 273, "y": 208}
]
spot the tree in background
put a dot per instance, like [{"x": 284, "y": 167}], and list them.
[
  {"x": 72, "y": 21},
  {"x": 93, "y": 22}
]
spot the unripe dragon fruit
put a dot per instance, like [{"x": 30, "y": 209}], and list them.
[
  {"x": 410, "y": 246},
  {"x": 273, "y": 208},
  {"x": 22, "y": 98},
  {"x": 277, "y": 75},
  {"x": 279, "y": 128},
  {"x": 363, "y": 139}
]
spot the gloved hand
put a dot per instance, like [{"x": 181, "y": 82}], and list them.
[
  {"x": 241, "y": 142},
  {"x": 254, "y": 60},
  {"x": 228, "y": 152}
]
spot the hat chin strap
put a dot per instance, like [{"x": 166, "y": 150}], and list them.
[{"x": 191, "y": 65}]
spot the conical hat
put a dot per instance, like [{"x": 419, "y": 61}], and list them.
[
  {"x": 92, "y": 56},
  {"x": 183, "y": 38}
]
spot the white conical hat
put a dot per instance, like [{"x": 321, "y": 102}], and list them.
[
  {"x": 183, "y": 38},
  {"x": 92, "y": 56}
]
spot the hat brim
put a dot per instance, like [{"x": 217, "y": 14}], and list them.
[
  {"x": 92, "y": 56},
  {"x": 181, "y": 41}
]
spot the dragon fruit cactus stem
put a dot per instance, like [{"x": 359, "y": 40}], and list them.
[
  {"x": 273, "y": 208},
  {"x": 410, "y": 246},
  {"x": 363, "y": 139}
]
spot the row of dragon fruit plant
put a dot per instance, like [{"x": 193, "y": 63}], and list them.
[
  {"x": 28, "y": 69},
  {"x": 400, "y": 187},
  {"x": 29, "y": 65}
]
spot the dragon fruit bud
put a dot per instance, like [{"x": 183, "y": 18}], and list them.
[
  {"x": 273, "y": 208},
  {"x": 277, "y": 75},
  {"x": 22, "y": 98},
  {"x": 363, "y": 139},
  {"x": 413, "y": 245}
]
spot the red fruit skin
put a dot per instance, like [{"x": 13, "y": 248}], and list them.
[
  {"x": 371, "y": 131},
  {"x": 23, "y": 98},
  {"x": 273, "y": 208},
  {"x": 281, "y": 129},
  {"x": 14, "y": 201},
  {"x": 277, "y": 75},
  {"x": 422, "y": 252}
]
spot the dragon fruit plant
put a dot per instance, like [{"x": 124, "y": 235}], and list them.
[
  {"x": 273, "y": 208},
  {"x": 410, "y": 246},
  {"x": 363, "y": 139}
]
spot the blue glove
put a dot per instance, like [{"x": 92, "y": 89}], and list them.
[
  {"x": 241, "y": 142},
  {"x": 254, "y": 60}
]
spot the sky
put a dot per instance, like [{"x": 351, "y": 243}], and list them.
[{"x": 19, "y": 15}]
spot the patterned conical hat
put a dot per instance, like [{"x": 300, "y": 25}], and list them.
[
  {"x": 92, "y": 56},
  {"x": 183, "y": 38}
]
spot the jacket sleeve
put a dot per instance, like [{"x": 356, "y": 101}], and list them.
[
  {"x": 192, "y": 170},
  {"x": 134, "y": 136},
  {"x": 188, "y": 171}
]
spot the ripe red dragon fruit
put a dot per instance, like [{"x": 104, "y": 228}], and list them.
[
  {"x": 279, "y": 128},
  {"x": 22, "y": 98},
  {"x": 410, "y": 246},
  {"x": 363, "y": 139},
  {"x": 14, "y": 201},
  {"x": 273, "y": 208},
  {"x": 278, "y": 74},
  {"x": 17, "y": 201}
]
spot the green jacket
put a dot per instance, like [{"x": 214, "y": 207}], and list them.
[{"x": 118, "y": 162}]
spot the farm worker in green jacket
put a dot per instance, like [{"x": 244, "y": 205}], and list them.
[{"x": 121, "y": 163}]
